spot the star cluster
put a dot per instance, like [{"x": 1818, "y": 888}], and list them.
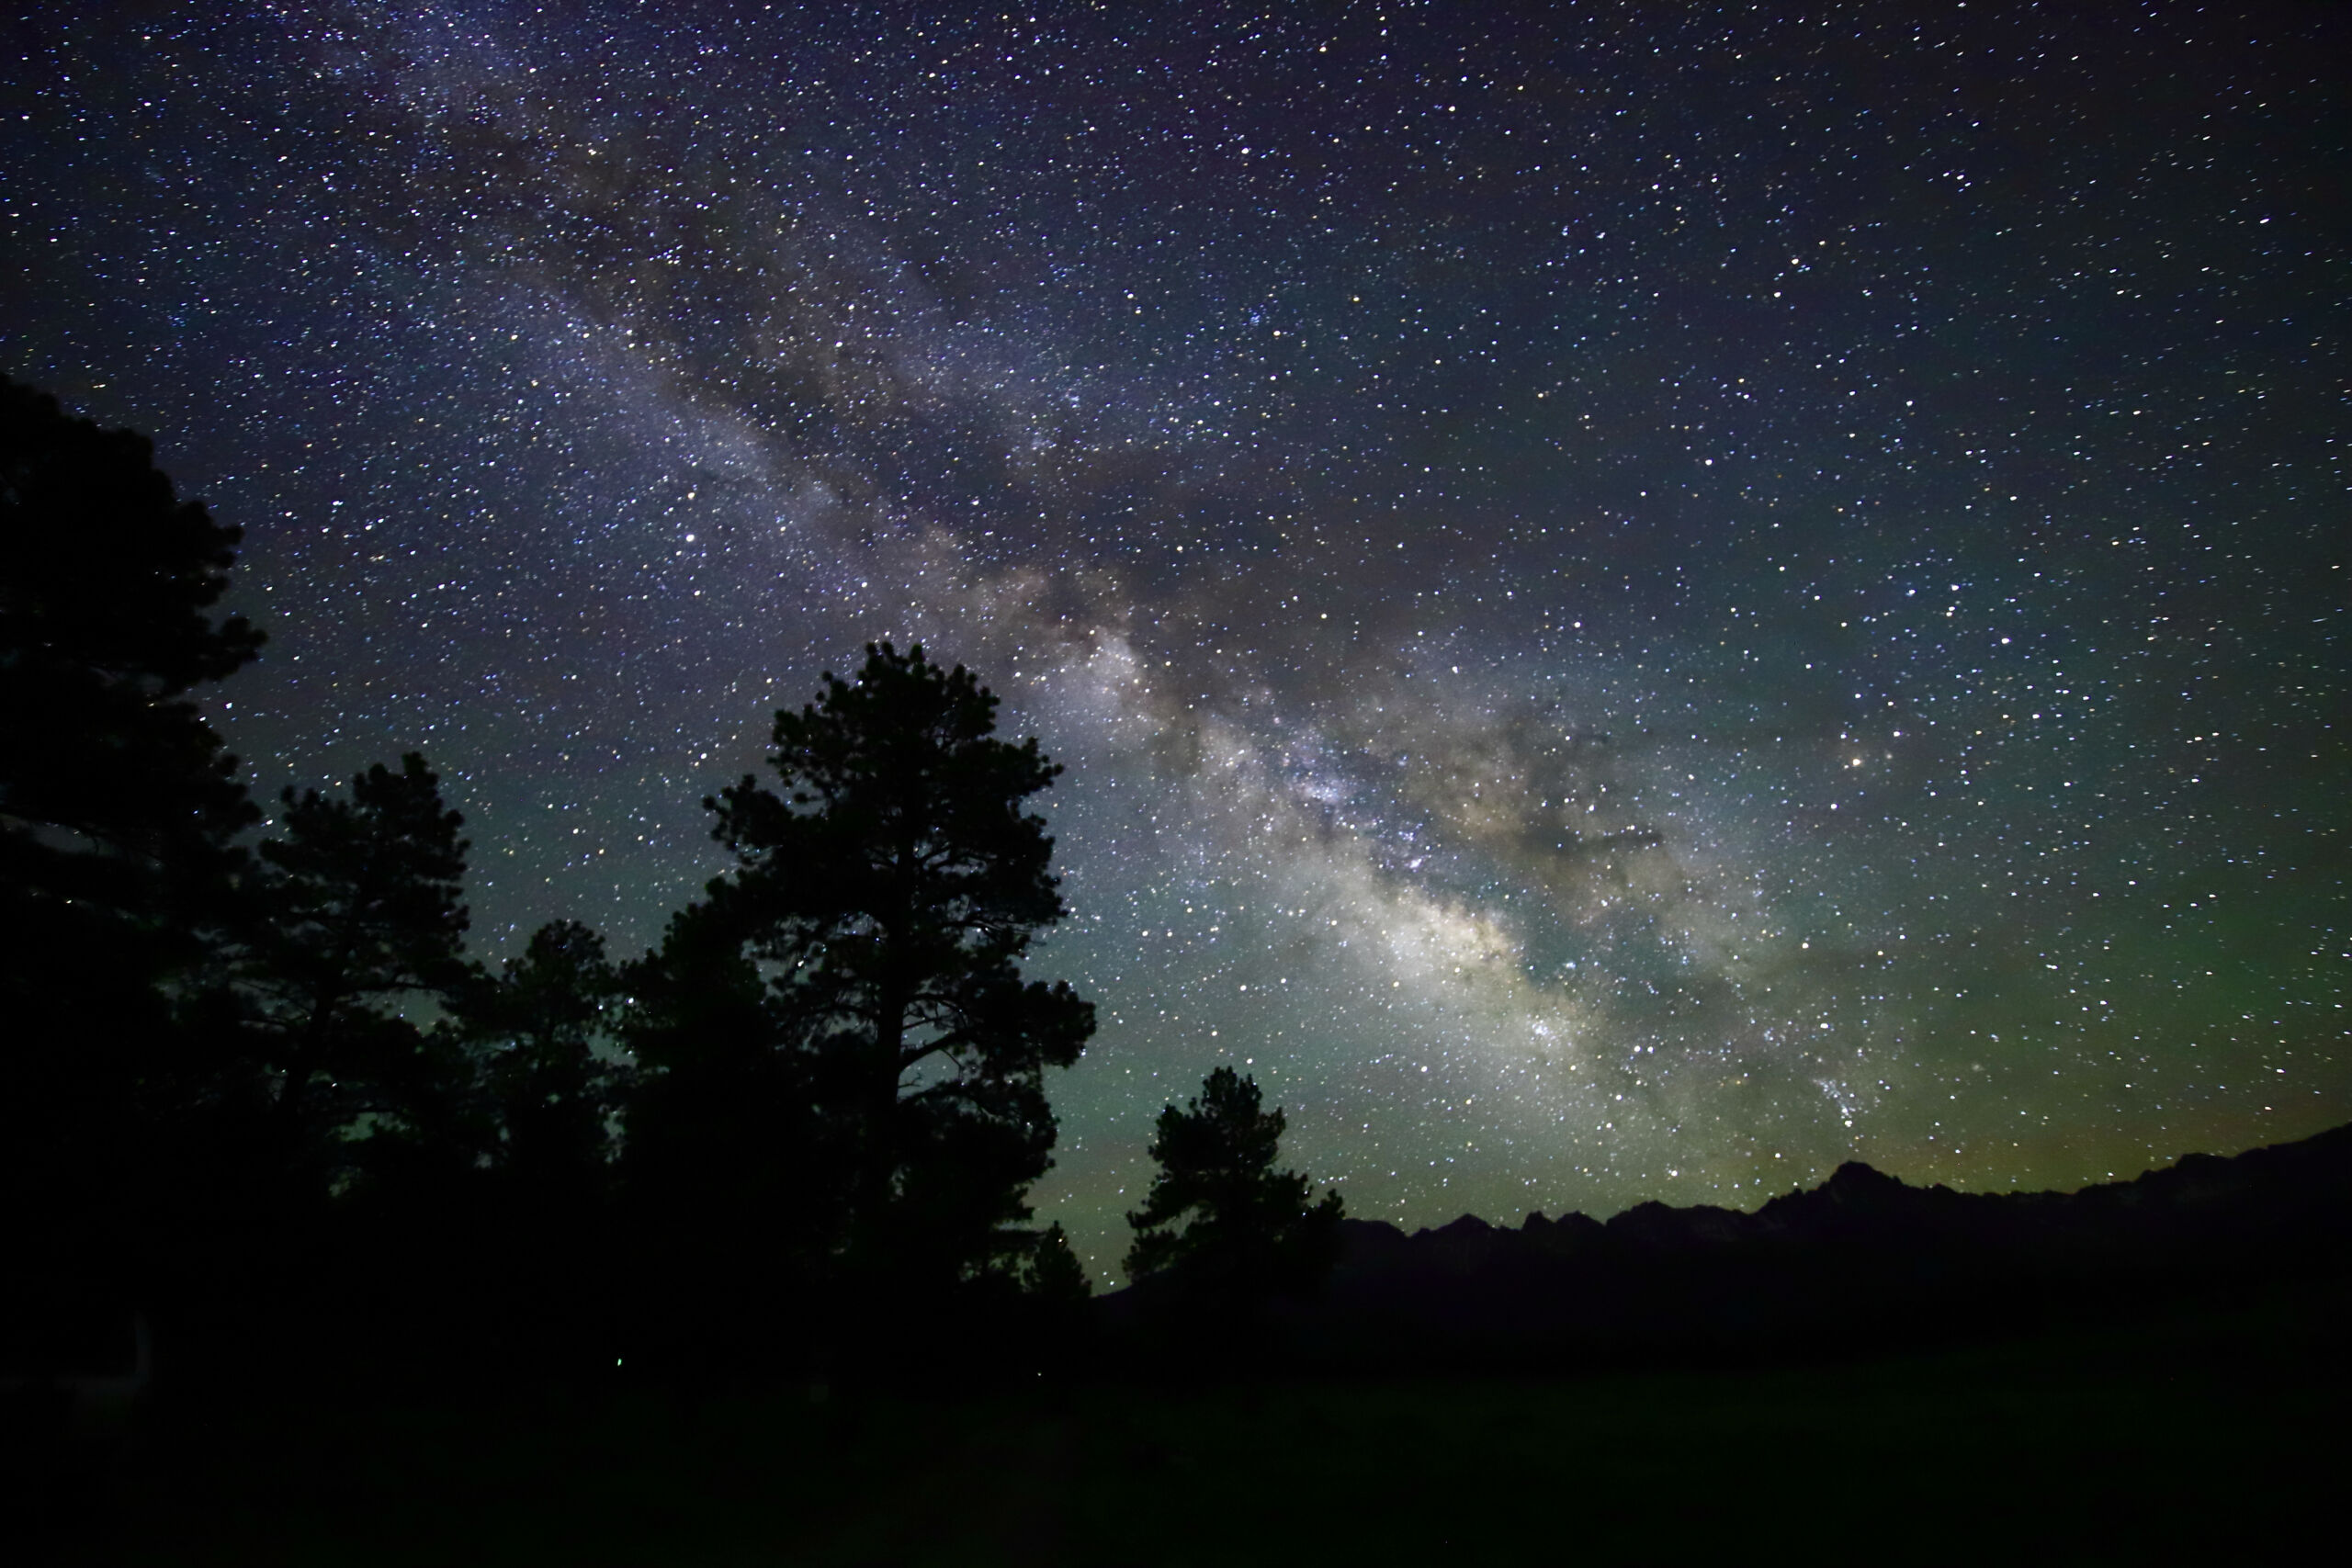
[{"x": 1639, "y": 600}]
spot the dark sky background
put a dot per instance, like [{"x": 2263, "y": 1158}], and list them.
[{"x": 1895, "y": 453}]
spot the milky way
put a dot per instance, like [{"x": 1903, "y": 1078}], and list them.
[{"x": 1638, "y": 602}]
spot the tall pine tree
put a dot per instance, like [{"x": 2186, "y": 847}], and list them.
[
  {"x": 868, "y": 950},
  {"x": 118, "y": 810}
]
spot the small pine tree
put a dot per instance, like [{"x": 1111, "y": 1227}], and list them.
[
  {"x": 534, "y": 1034},
  {"x": 1219, "y": 1214},
  {"x": 359, "y": 913},
  {"x": 545, "y": 1087},
  {"x": 1052, "y": 1271}
]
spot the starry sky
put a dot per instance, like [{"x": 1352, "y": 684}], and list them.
[{"x": 1639, "y": 600}]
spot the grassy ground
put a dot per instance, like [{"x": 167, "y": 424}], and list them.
[{"x": 2220, "y": 1430}]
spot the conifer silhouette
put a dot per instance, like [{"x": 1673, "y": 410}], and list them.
[
  {"x": 118, "y": 810},
  {"x": 862, "y": 963},
  {"x": 1218, "y": 1214},
  {"x": 534, "y": 1034},
  {"x": 360, "y": 911}
]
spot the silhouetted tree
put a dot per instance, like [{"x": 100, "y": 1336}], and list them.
[
  {"x": 360, "y": 915},
  {"x": 1218, "y": 1214},
  {"x": 861, "y": 963},
  {"x": 1052, "y": 1270},
  {"x": 525, "y": 1236},
  {"x": 117, "y": 804},
  {"x": 732, "y": 1197},
  {"x": 534, "y": 1032}
]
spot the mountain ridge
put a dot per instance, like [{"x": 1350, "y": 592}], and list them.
[{"x": 1861, "y": 1261}]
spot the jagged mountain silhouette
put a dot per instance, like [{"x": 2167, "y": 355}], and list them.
[{"x": 1862, "y": 1261}]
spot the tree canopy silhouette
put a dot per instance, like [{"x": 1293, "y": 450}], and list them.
[
  {"x": 1218, "y": 1214},
  {"x": 533, "y": 1033},
  {"x": 104, "y": 593},
  {"x": 119, "y": 806},
  {"x": 860, "y": 968},
  {"x": 275, "y": 1083},
  {"x": 360, "y": 911}
]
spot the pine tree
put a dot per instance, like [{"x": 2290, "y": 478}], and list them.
[
  {"x": 360, "y": 916},
  {"x": 733, "y": 1200},
  {"x": 118, "y": 810},
  {"x": 531, "y": 1226},
  {"x": 1052, "y": 1271},
  {"x": 535, "y": 1032},
  {"x": 863, "y": 959},
  {"x": 104, "y": 632},
  {"x": 1218, "y": 1214}
]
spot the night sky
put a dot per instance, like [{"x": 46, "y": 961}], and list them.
[{"x": 1639, "y": 601}]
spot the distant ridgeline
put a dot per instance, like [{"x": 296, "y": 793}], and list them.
[{"x": 1861, "y": 1261}]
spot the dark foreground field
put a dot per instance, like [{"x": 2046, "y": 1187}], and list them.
[{"x": 2218, "y": 1429}]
